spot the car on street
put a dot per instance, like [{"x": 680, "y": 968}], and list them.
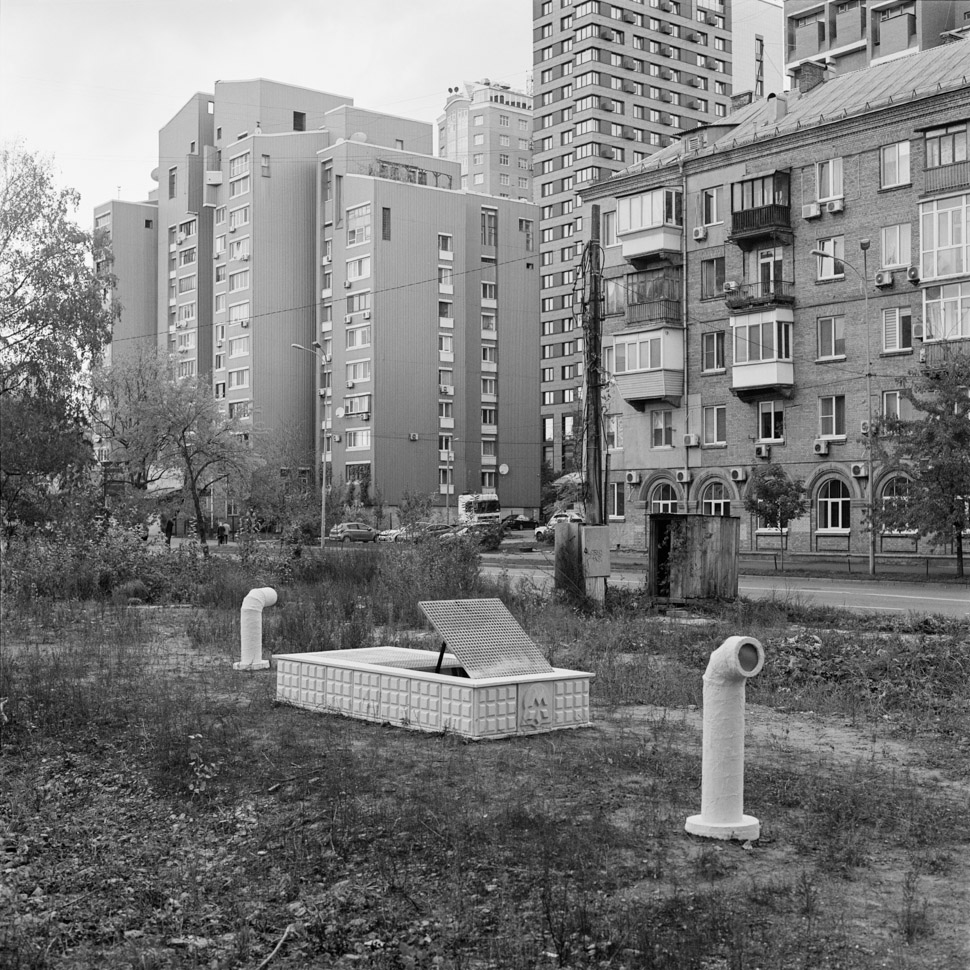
[
  {"x": 353, "y": 532},
  {"x": 519, "y": 523},
  {"x": 549, "y": 529}
]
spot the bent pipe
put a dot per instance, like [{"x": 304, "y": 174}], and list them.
[
  {"x": 251, "y": 628},
  {"x": 722, "y": 771}
]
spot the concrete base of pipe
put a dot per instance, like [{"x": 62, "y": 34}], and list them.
[
  {"x": 255, "y": 665},
  {"x": 747, "y": 829}
]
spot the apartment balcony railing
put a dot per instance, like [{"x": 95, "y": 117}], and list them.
[
  {"x": 753, "y": 296},
  {"x": 938, "y": 352},
  {"x": 654, "y": 311},
  {"x": 955, "y": 176},
  {"x": 765, "y": 220}
]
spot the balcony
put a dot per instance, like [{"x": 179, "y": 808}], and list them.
[
  {"x": 766, "y": 221},
  {"x": 663, "y": 311},
  {"x": 955, "y": 176},
  {"x": 652, "y": 366},
  {"x": 757, "y": 378},
  {"x": 757, "y": 296},
  {"x": 937, "y": 352},
  {"x": 660, "y": 241}
]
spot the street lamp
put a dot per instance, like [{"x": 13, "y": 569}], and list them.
[
  {"x": 317, "y": 350},
  {"x": 863, "y": 280}
]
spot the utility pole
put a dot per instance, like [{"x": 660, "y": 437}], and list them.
[{"x": 592, "y": 295}]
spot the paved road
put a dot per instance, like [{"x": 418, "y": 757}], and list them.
[{"x": 950, "y": 599}]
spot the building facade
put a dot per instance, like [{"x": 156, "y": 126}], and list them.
[
  {"x": 614, "y": 83},
  {"x": 487, "y": 128},
  {"x": 771, "y": 282},
  {"x": 849, "y": 35}
]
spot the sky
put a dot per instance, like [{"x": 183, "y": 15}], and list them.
[{"x": 88, "y": 83}]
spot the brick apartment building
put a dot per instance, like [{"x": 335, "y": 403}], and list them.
[{"x": 747, "y": 323}]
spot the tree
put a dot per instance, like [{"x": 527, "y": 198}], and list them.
[
  {"x": 281, "y": 489},
  {"x": 777, "y": 499},
  {"x": 931, "y": 451},
  {"x": 54, "y": 315}
]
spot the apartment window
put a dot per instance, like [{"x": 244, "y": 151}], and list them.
[
  {"x": 186, "y": 284},
  {"x": 220, "y": 302},
  {"x": 185, "y": 368},
  {"x": 616, "y": 501},
  {"x": 829, "y": 179},
  {"x": 894, "y": 242},
  {"x": 358, "y": 225},
  {"x": 239, "y": 378},
  {"x": 944, "y": 146},
  {"x": 238, "y": 218},
  {"x": 489, "y": 385},
  {"x": 239, "y": 165},
  {"x": 172, "y": 182},
  {"x": 771, "y": 420},
  {"x": 714, "y": 423},
  {"x": 897, "y": 329},
  {"x": 768, "y": 340},
  {"x": 503, "y": 159},
  {"x": 357, "y": 337},
  {"x": 716, "y": 500},
  {"x": 219, "y": 390},
  {"x": 489, "y": 227},
  {"x": 489, "y": 290},
  {"x": 831, "y": 337},
  {"x": 356, "y": 302},
  {"x": 358, "y": 370},
  {"x": 896, "y": 494},
  {"x": 239, "y": 248},
  {"x": 944, "y": 236},
  {"x": 709, "y": 208},
  {"x": 446, "y": 243},
  {"x": 186, "y": 341},
  {"x": 894, "y": 164},
  {"x": 946, "y": 311},
  {"x": 489, "y": 448},
  {"x": 830, "y": 266},
  {"x": 637, "y": 352},
  {"x": 712, "y": 351},
  {"x": 239, "y": 187},
  {"x": 386, "y": 224},
  {"x": 358, "y": 269},
  {"x": 239, "y": 281},
  {"x": 712, "y": 278},
  {"x": 220, "y": 216},
  {"x": 488, "y": 322},
  {"x": 239, "y": 346},
  {"x": 650, "y": 210},
  {"x": 489, "y": 415},
  {"x": 614, "y": 432},
  {"x": 186, "y": 313},
  {"x": 831, "y": 416},
  {"x": 661, "y": 429},
  {"x": 187, "y": 257},
  {"x": 760, "y": 192},
  {"x": 239, "y": 313},
  {"x": 358, "y": 438},
  {"x": 221, "y": 273},
  {"x": 663, "y": 499},
  {"x": 833, "y": 505}
]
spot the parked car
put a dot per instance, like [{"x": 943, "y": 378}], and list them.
[
  {"x": 352, "y": 532},
  {"x": 549, "y": 529},
  {"x": 390, "y": 535},
  {"x": 519, "y": 523}
]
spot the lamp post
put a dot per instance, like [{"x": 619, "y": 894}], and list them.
[
  {"x": 864, "y": 282},
  {"x": 316, "y": 349}
]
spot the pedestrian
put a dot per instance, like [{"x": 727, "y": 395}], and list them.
[
  {"x": 169, "y": 529},
  {"x": 222, "y": 533}
]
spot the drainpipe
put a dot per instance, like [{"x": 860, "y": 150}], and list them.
[
  {"x": 722, "y": 783},
  {"x": 683, "y": 312},
  {"x": 251, "y": 628}
]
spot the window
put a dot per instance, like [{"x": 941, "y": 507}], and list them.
[
  {"x": 220, "y": 216},
  {"x": 894, "y": 164},
  {"x": 709, "y": 214},
  {"x": 829, "y": 179},
  {"x": 239, "y": 346},
  {"x": 663, "y": 499},
  {"x": 489, "y": 290},
  {"x": 357, "y": 438},
  {"x": 833, "y": 505},
  {"x": 357, "y": 337},
  {"x": 946, "y": 311},
  {"x": 446, "y": 243},
  {"x": 896, "y": 497},
  {"x": 357, "y": 302},
  {"x": 944, "y": 146},
  {"x": 771, "y": 420},
  {"x": 831, "y": 416},
  {"x": 240, "y": 409},
  {"x": 716, "y": 500},
  {"x": 614, "y": 432},
  {"x": 661, "y": 429},
  {"x": 714, "y": 420},
  {"x": 187, "y": 284},
  {"x": 239, "y": 248},
  {"x": 830, "y": 266},
  {"x": 489, "y": 415},
  {"x": 488, "y": 322},
  {"x": 239, "y": 187},
  {"x": 489, "y": 227},
  {"x": 760, "y": 192},
  {"x": 768, "y": 340},
  {"x": 489, "y": 386},
  {"x": 239, "y": 313},
  {"x": 649, "y": 210},
  {"x": 712, "y": 278},
  {"x": 385, "y": 224},
  {"x": 637, "y": 352},
  {"x": 358, "y": 370},
  {"x": 944, "y": 237},
  {"x": 188, "y": 228},
  {"x": 489, "y": 448},
  {"x": 239, "y": 281},
  {"x": 172, "y": 182},
  {"x": 712, "y": 351},
  {"x": 895, "y": 405},
  {"x": 358, "y": 225},
  {"x": 187, "y": 257},
  {"x": 897, "y": 329},
  {"x": 616, "y": 501},
  {"x": 446, "y": 343},
  {"x": 831, "y": 337},
  {"x": 219, "y": 390},
  {"x": 895, "y": 245},
  {"x": 220, "y": 302},
  {"x": 239, "y": 378},
  {"x": 358, "y": 269},
  {"x": 186, "y": 313}
]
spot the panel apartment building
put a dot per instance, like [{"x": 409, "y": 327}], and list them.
[
  {"x": 289, "y": 216},
  {"x": 487, "y": 128},
  {"x": 614, "y": 83},
  {"x": 771, "y": 280}
]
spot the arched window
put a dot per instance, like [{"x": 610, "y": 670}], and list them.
[
  {"x": 895, "y": 500},
  {"x": 716, "y": 500},
  {"x": 833, "y": 505},
  {"x": 664, "y": 498}
]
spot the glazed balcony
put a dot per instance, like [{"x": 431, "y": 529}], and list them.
[
  {"x": 649, "y": 366},
  {"x": 756, "y": 296}
]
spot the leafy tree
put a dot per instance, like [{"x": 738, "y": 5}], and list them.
[
  {"x": 281, "y": 489},
  {"x": 415, "y": 507},
  {"x": 776, "y": 498},
  {"x": 54, "y": 318},
  {"x": 932, "y": 451}
]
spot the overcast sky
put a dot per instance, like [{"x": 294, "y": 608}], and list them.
[{"x": 90, "y": 82}]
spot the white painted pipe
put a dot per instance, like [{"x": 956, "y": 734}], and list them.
[
  {"x": 722, "y": 782},
  {"x": 251, "y": 628}
]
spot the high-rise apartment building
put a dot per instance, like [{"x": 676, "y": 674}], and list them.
[
  {"x": 848, "y": 35},
  {"x": 288, "y": 216},
  {"x": 614, "y": 83},
  {"x": 487, "y": 128},
  {"x": 772, "y": 281}
]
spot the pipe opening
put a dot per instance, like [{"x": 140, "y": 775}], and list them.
[{"x": 748, "y": 657}]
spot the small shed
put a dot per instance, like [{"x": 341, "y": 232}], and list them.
[{"x": 692, "y": 556}]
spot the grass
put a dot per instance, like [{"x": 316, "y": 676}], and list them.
[{"x": 161, "y": 810}]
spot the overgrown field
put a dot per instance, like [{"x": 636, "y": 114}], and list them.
[{"x": 162, "y": 810}]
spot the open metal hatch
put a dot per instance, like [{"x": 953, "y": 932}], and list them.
[{"x": 485, "y": 637}]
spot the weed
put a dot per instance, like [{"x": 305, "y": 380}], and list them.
[{"x": 913, "y": 920}]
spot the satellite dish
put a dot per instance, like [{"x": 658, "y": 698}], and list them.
[
  {"x": 503, "y": 469},
  {"x": 339, "y": 412}
]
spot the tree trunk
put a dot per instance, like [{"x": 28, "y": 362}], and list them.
[
  {"x": 959, "y": 552},
  {"x": 200, "y": 529}
]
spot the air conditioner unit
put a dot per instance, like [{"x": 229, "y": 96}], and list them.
[
  {"x": 606, "y": 33},
  {"x": 606, "y": 105},
  {"x": 322, "y": 392},
  {"x": 683, "y": 475},
  {"x": 219, "y": 343},
  {"x": 762, "y": 451},
  {"x": 367, "y": 314},
  {"x": 633, "y": 478},
  {"x": 336, "y": 437},
  {"x": 665, "y": 28},
  {"x": 821, "y": 446},
  {"x": 232, "y": 228},
  {"x": 691, "y": 441},
  {"x": 731, "y": 286},
  {"x": 444, "y": 389},
  {"x": 811, "y": 211},
  {"x": 912, "y": 274},
  {"x": 836, "y": 205},
  {"x": 629, "y": 17},
  {"x": 694, "y": 82},
  {"x": 884, "y": 278},
  {"x": 347, "y": 284},
  {"x": 859, "y": 470},
  {"x": 700, "y": 232},
  {"x": 244, "y": 323},
  {"x": 180, "y": 238},
  {"x": 412, "y": 437},
  {"x": 245, "y": 257},
  {"x": 350, "y": 384},
  {"x": 327, "y": 260},
  {"x": 365, "y": 416},
  {"x": 348, "y": 319},
  {"x": 922, "y": 355},
  {"x": 738, "y": 474},
  {"x": 918, "y": 331}
]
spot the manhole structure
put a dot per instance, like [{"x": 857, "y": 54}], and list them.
[{"x": 488, "y": 679}]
